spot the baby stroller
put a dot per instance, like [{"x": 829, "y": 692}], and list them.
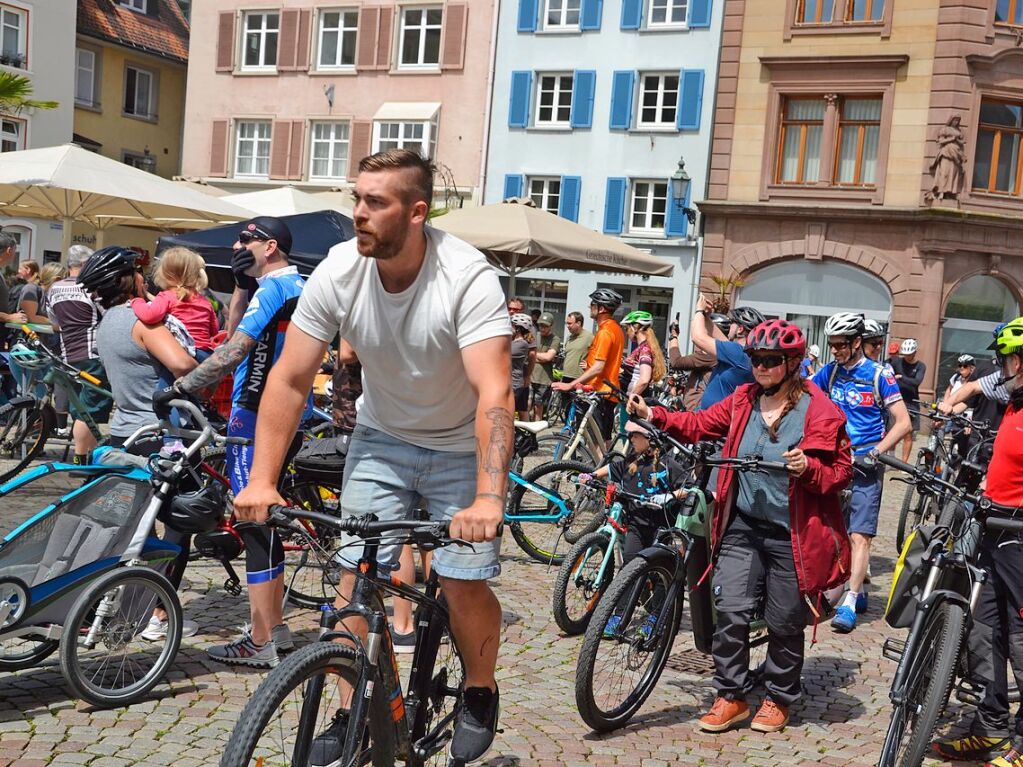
[{"x": 85, "y": 574}]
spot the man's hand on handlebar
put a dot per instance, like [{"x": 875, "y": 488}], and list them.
[
  {"x": 252, "y": 504},
  {"x": 479, "y": 522}
]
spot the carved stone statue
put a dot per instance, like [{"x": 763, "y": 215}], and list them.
[{"x": 947, "y": 168}]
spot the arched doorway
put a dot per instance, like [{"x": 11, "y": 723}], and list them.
[
  {"x": 974, "y": 308},
  {"x": 808, "y": 292}
]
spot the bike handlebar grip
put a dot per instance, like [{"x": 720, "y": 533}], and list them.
[
  {"x": 774, "y": 465},
  {"x": 1004, "y": 524},
  {"x": 90, "y": 378},
  {"x": 895, "y": 463}
]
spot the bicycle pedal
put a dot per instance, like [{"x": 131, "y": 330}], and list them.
[{"x": 892, "y": 649}]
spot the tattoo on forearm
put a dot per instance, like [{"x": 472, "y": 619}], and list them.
[
  {"x": 496, "y": 458},
  {"x": 224, "y": 360}
]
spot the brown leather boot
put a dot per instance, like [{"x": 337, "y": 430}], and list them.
[
  {"x": 771, "y": 717},
  {"x": 723, "y": 714}
]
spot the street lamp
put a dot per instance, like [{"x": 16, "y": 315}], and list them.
[{"x": 680, "y": 183}]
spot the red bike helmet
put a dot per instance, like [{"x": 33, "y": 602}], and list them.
[{"x": 776, "y": 336}]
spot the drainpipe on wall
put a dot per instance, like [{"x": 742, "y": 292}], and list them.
[{"x": 489, "y": 101}]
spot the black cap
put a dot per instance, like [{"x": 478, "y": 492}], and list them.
[{"x": 269, "y": 228}]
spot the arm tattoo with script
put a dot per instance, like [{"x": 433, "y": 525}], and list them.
[
  {"x": 496, "y": 458},
  {"x": 223, "y": 361}
]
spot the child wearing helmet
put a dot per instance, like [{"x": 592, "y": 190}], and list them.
[
  {"x": 760, "y": 519},
  {"x": 909, "y": 373}
]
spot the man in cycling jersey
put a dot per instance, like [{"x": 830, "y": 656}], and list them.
[
  {"x": 859, "y": 386},
  {"x": 604, "y": 359},
  {"x": 999, "y": 611},
  {"x": 909, "y": 374},
  {"x": 251, "y": 352},
  {"x": 425, "y": 314},
  {"x": 731, "y": 365}
]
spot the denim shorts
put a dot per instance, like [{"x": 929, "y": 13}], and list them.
[
  {"x": 865, "y": 503},
  {"x": 386, "y": 476}
]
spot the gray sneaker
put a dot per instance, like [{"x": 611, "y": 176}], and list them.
[
  {"x": 281, "y": 635},
  {"x": 243, "y": 652}
]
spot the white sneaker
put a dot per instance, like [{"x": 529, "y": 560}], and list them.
[{"x": 157, "y": 629}]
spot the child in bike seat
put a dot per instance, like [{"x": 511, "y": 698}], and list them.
[{"x": 645, "y": 471}]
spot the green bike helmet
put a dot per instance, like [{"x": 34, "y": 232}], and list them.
[
  {"x": 1010, "y": 338},
  {"x": 27, "y": 358},
  {"x": 638, "y": 318}
]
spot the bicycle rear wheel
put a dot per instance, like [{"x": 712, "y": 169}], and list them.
[
  {"x": 929, "y": 676},
  {"x": 300, "y": 699},
  {"x": 577, "y": 589},
  {"x": 540, "y": 538},
  {"x": 621, "y": 660},
  {"x": 25, "y": 425}
]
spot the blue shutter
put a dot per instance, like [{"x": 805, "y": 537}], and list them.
[
  {"x": 518, "y": 107},
  {"x": 699, "y": 13},
  {"x": 589, "y": 16},
  {"x": 632, "y": 14},
  {"x": 614, "y": 205},
  {"x": 529, "y": 10},
  {"x": 584, "y": 83},
  {"x": 622, "y": 86},
  {"x": 677, "y": 224},
  {"x": 513, "y": 186},
  {"x": 690, "y": 102},
  {"x": 568, "y": 205}
]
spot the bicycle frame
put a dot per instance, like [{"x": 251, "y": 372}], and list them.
[
  {"x": 558, "y": 501},
  {"x": 615, "y": 530}
]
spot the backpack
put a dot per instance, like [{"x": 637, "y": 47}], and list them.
[{"x": 876, "y": 384}]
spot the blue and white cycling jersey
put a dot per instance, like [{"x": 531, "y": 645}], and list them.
[{"x": 862, "y": 393}]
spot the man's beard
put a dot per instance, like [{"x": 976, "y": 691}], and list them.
[{"x": 383, "y": 248}]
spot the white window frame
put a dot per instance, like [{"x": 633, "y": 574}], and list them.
[
  {"x": 21, "y": 15},
  {"x": 670, "y": 6},
  {"x": 562, "y": 10},
  {"x": 139, "y": 6},
  {"x": 341, "y": 30},
  {"x": 80, "y": 72},
  {"x": 404, "y": 140},
  {"x": 640, "y": 122},
  {"x": 256, "y": 140},
  {"x": 557, "y": 91},
  {"x": 647, "y": 228},
  {"x": 424, "y": 29},
  {"x": 150, "y": 113},
  {"x": 263, "y": 32},
  {"x": 334, "y": 142},
  {"x": 12, "y": 129},
  {"x": 540, "y": 186}
]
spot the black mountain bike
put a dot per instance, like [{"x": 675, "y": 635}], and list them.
[
  {"x": 384, "y": 725},
  {"x": 935, "y": 601}
]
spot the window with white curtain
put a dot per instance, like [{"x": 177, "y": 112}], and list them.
[
  {"x": 802, "y": 127},
  {"x": 859, "y": 132},
  {"x": 329, "y": 155},
  {"x": 252, "y": 150}
]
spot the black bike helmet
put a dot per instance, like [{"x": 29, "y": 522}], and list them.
[
  {"x": 105, "y": 268},
  {"x": 723, "y": 322},
  {"x": 746, "y": 316},
  {"x": 196, "y": 512},
  {"x": 607, "y": 298}
]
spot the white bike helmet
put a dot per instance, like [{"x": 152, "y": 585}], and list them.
[
  {"x": 966, "y": 359},
  {"x": 814, "y": 351},
  {"x": 844, "y": 324},
  {"x": 872, "y": 329},
  {"x": 523, "y": 321},
  {"x": 909, "y": 346}
]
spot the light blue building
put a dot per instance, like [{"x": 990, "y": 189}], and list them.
[{"x": 594, "y": 104}]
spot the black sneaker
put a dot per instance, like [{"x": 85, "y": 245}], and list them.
[
  {"x": 476, "y": 724},
  {"x": 326, "y": 747}
]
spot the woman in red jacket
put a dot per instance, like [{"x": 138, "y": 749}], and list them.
[{"x": 777, "y": 540}]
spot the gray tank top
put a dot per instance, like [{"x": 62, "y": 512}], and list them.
[{"x": 132, "y": 371}]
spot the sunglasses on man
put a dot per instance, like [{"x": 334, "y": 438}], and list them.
[{"x": 246, "y": 237}]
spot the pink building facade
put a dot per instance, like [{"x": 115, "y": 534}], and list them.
[{"x": 298, "y": 91}]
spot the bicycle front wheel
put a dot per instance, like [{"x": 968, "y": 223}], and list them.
[
  {"x": 929, "y": 676},
  {"x": 535, "y": 514},
  {"x": 909, "y": 516},
  {"x": 580, "y": 584},
  {"x": 302, "y": 699},
  {"x": 25, "y": 425},
  {"x": 626, "y": 646}
]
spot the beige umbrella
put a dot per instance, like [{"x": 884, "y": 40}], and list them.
[
  {"x": 71, "y": 184},
  {"x": 337, "y": 199},
  {"x": 193, "y": 182},
  {"x": 516, "y": 236},
  {"x": 283, "y": 201}
]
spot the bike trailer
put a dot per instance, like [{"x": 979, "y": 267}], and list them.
[
  {"x": 45, "y": 561},
  {"x": 910, "y": 577}
]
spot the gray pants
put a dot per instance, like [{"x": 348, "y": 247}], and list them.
[{"x": 755, "y": 575}]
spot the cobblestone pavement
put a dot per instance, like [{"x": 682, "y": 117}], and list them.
[{"x": 187, "y": 720}]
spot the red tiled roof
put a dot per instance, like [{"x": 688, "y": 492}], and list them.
[{"x": 162, "y": 32}]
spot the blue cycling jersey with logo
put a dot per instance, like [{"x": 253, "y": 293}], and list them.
[{"x": 853, "y": 391}]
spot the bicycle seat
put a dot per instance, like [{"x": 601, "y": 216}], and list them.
[{"x": 533, "y": 427}]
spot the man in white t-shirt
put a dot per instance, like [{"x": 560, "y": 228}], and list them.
[{"x": 425, "y": 314}]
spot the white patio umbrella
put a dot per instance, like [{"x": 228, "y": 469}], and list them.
[
  {"x": 516, "y": 236},
  {"x": 285, "y": 201},
  {"x": 190, "y": 182},
  {"x": 71, "y": 184}
]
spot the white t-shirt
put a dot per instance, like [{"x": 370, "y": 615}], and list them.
[{"x": 415, "y": 386}]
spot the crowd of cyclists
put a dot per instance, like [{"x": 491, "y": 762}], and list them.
[{"x": 434, "y": 367}]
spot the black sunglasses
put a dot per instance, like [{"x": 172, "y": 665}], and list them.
[
  {"x": 246, "y": 237},
  {"x": 767, "y": 360},
  {"x": 839, "y": 344}
]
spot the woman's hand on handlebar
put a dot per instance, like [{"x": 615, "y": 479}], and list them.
[
  {"x": 253, "y": 503},
  {"x": 795, "y": 459},
  {"x": 637, "y": 407}
]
